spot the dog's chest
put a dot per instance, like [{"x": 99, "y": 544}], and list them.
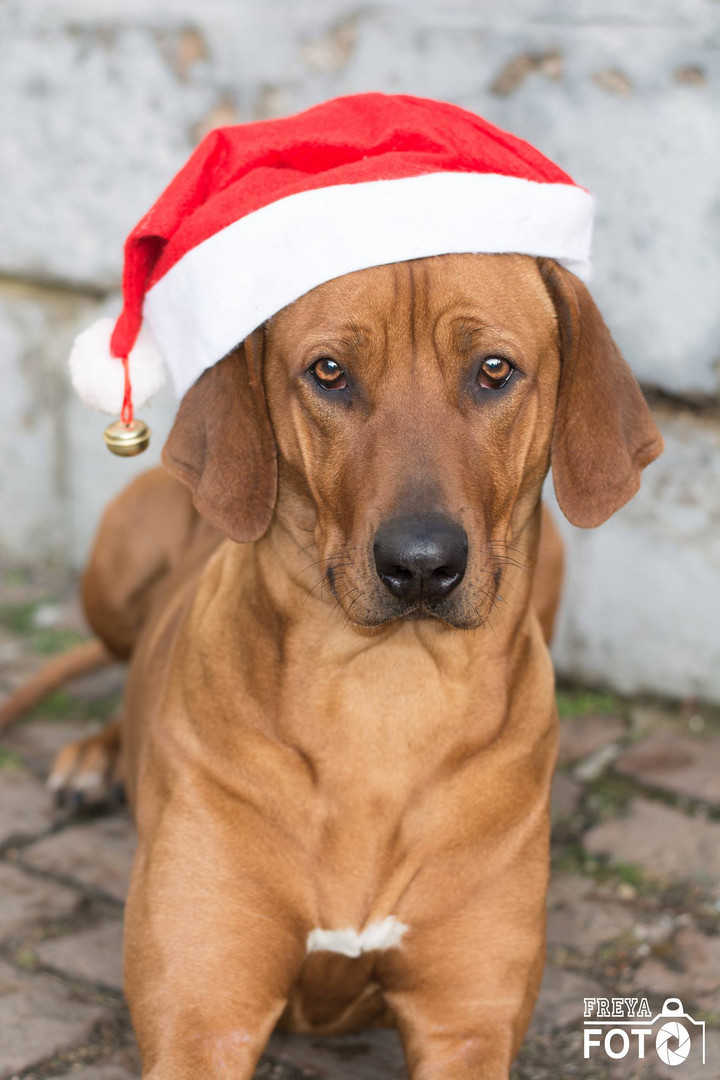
[{"x": 376, "y": 719}]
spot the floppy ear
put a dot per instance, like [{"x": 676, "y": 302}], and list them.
[
  {"x": 604, "y": 433},
  {"x": 222, "y": 445}
]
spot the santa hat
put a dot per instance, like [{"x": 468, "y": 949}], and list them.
[{"x": 264, "y": 212}]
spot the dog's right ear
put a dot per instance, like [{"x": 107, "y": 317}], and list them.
[{"x": 222, "y": 444}]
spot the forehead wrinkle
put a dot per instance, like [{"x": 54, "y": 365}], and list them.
[
  {"x": 471, "y": 334},
  {"x": 413, "y": 317},
  {"x": 385, "y": 341},
  {"x": 422, "y": 280},
  {"x": 384, "y": 304},
  {"x": 471, "y": 331},
  {"x": 370, "y": 343},
  {"x": 466, "y": 331},
  {"x": 398, "y": 312},
  {"x": 353, "y": 336},
  {"x": 436, "y": 331}
]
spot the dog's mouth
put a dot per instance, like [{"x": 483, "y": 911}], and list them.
[
  {"x": 370, "y": 605},
  {"x": 422, "y": 610}
]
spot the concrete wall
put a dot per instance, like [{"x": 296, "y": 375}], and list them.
[{"x": 101, "y": 100}]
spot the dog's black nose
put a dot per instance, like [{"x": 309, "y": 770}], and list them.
[{"x": 421, "y": 558}]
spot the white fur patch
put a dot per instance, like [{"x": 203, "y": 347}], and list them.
[
  {"x": 98, "y": 376},
  {"x": 378, "y": 935}
]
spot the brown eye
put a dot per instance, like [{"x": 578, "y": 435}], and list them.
[
  {"x": 494, "y": 372},
  {"x": 329, "y": 374}
]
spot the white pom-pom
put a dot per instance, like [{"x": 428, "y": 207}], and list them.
[{"x": 98, "y": 376}]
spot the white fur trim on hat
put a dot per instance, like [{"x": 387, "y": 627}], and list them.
[
  {"x": 98, "y": 376},
  {"x": 230, "y": 283}
]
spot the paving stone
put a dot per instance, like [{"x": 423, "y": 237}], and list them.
[
  {"x": 586, "y": 734},
  {"x": 25, "y": 809},
  {"x": 269, "y": 1068},
  {"x": 565, "y": 797},
  {"x": 561, "y": 999},
  {"x": 665, "y": 842},
  {"x": 38, "y": 742},
  {"x": 595, "y": 764},
  {"x": 126, "y": 1058},
  {"x": 107, "y": 1070},
  {"x": 98, "y": 853},
  {"x": 375, "y": 1053},
  {"x": 26, "y": 899},
  {"x": 655, "y": 927},
  {"x": 39, "y": 1016},
  {"x": 646, "y": 718},
  {"x": 695, "y": 974},
  {"x": 676, "y": 761},
  {"x": 94, "y": 954},
  {"x": 578, "y": 919}
]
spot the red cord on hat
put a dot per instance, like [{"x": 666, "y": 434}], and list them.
[{"x": 126, "y": 414}]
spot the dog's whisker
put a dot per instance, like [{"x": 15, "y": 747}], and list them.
[
  {"x": 528, "y": 559},
  {"x": 501, "y": 561}
]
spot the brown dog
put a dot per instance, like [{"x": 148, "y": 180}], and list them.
[{"x": 339, "y": 730}]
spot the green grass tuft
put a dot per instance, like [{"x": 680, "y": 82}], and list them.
[
  {"x": 630, "y": 874},
  {"x": 9, "y": 762},
  {"x": 63, "y": 706},
  {"x": 46, "y": 640},
  {"x": 572, "y": 703},
  {"x": 55, "y": 639},
  {"x": 15, "y": 577},
  {"x": 19, "y": 618}
]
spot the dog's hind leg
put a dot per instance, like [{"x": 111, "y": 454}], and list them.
[
  {"x": 89, "y": 772},
  {"x": 145, "y": 531},
  {"x": 144, "y": 534}
]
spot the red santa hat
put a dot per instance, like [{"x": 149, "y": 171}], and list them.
[{"x": 264, "y": 212}]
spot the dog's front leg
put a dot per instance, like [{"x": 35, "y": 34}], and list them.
[
  {"x": 464, "y": 983},
  {"x": 210, "y": 953}
]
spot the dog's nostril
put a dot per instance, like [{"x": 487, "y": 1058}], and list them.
[{"x": 421, "y": 558}]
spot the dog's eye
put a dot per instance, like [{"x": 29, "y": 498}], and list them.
[
  {"x": 329, "y": 374},
  {"x": 494, "y": 372}
]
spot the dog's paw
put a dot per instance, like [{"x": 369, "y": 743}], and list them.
[{"x": 87, "y": 773}]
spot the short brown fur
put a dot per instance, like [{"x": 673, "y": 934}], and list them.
[{"x": 300, "y": 756}]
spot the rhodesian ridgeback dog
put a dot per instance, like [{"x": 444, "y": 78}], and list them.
[{"x": 339, "y": 728}]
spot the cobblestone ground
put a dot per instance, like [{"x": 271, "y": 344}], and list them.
[{"x": 634, "y": 906}]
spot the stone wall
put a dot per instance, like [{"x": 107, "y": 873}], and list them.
[{"x": 101, "y": 101}]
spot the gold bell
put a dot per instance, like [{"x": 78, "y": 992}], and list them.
[{"x": 127, "y": 440}]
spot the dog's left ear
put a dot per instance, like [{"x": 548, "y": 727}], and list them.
[{"x": 604, "y": 433}]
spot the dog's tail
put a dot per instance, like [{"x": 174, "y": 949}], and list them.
[{"x": 81, "y": 660}]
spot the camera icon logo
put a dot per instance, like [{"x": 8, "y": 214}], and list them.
[{"x": 618, "y": 1028}]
